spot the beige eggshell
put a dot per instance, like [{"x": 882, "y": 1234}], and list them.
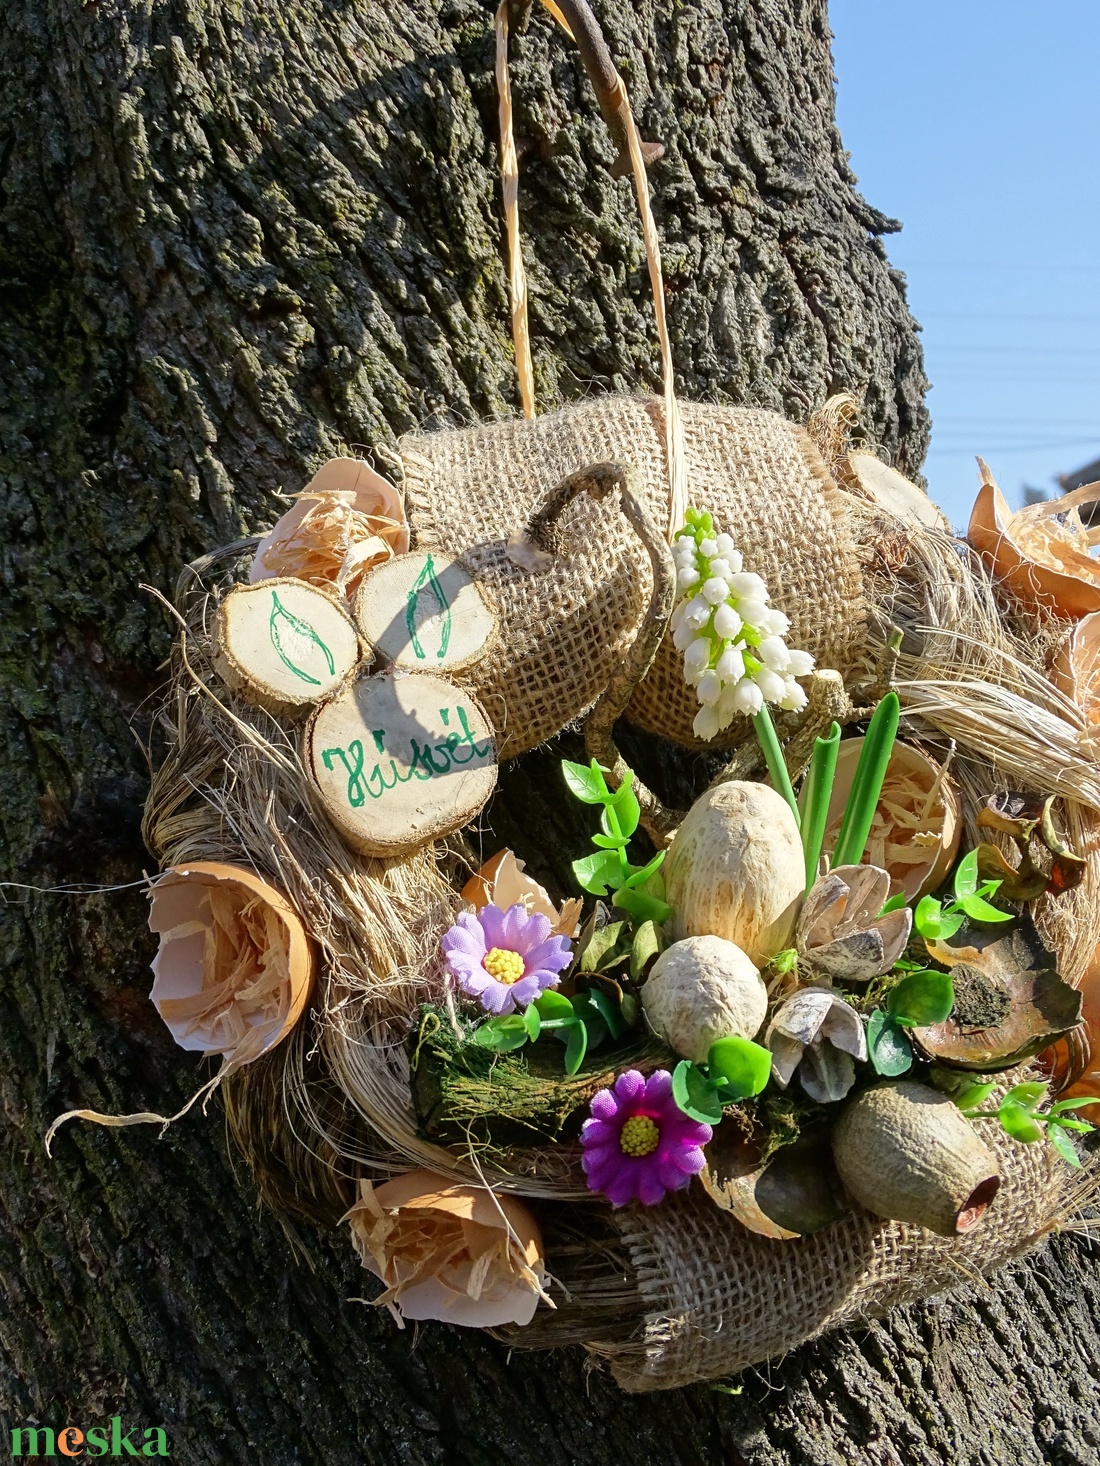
[
  {"x": 1037, "y": 587},
  {"x": 736, "y": 870},
  {"x": 424, "y": 612},
  {"x": 919, "y": 878},
  {"x": 1075, "y": 669},
  {"x": 400, "y": 759},
  {"x": 283, "y": 644},
  {"x": 702, "y": 989},
  {"x": 176, "y": 901}
]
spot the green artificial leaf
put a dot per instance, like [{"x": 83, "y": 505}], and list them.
[
  {"x": 630, "y": 1009},
  {"x": 532, "y": 1022},
  {"x": 930, "y": 920},
  {"x": 601, "y": 945},
  {"x": 576, "y": 1048},
  {"x": 1018, "y": 1123},
  {"x": 1081, "y": 1125},
  {"x": 607, "y": 1011},
  {"x": 642, "y": 908},
  {"x": 643, "y": 873},
  {"x": 595, "y": 1029},
  {"x": 554, "y": 1007},
  {"x": 1073, "y": 1104},
  {"x": 611, "y": 842},
  {"x": 888, "y": 1047},
  {"x": 740, "y": 1066},
  {"x": 598, "y": 873},
  {"x": 645, "y": 948},
  {"x": 979, "y": 910},
  {"x": 966, "y": 876},
  {"x": 586, "y": 784},
  {"x": 975, "y": 1095},
  {"x": 695, "y": 1094},
  {"x": 922, "y": 998},
  {"x": 627, "y": 810},
  {"x": 1031, "y": 1093},
  {"x": 1064, "y": 1146},
  {"x": 502, "y": 1035}
]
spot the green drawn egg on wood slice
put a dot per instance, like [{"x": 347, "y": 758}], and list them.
[
  {"x": 425, "y": 612},
  {"x": 400, "y": 759},
  {"x": 283, "y": 644}
]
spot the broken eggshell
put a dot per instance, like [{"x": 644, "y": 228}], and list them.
[
  {"x": 345, "y": 520},
  {"x": 917, "y": 823},
  {"x": 818, "y": 1034},
  {"x": 235, "y": 965},
  {"x": 1044, "y": 563},
  {"x": 502, "y": 881},
  {"x": 1075, "y": 670},
  {"x": 1010, "y": 1002},
  {"x": 839, "y": 931}
]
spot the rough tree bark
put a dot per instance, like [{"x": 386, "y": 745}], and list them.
[{"x": 235, "y": 238}]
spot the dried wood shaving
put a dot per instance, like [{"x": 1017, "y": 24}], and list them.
[
  {"x": 332, "y": 544},
  {"x": 245, "y": 992},
  {"x": 907, "y": 827},
  {"x": 1063, "y": 544},
  {"x": 458, "y": 1245}
]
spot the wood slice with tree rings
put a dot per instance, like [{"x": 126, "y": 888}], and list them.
[
  {"x": 400, "y": 759},
  {"x": 424, "y": 612},
  {"x": 283, "y": 644}
]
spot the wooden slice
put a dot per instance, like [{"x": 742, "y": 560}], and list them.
[
  {"x": 400, "y": 759},
  {"x": 424, "y": 612},
  {"x": 284, "y": 644}
]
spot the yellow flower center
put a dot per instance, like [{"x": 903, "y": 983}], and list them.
[
  {"x": 505, "y": 966},
  {"x": 639, "y": 1136}
]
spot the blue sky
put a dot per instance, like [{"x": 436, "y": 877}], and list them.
[{"x": 976, "y": 124}]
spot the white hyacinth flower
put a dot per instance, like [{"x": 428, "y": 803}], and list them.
[
  {"x": 727, "y": 623},
  {"x": 696, "y": 658},
  {"x": 732, "y": 639}
]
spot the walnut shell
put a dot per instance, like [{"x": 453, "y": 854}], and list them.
[{"x": 703, "y": 989}]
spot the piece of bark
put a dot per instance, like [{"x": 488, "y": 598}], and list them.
[
  {"x": 400, "y": 759},
  {"x": 425, "y": 612},
  {"x": 283, "y": 644}
]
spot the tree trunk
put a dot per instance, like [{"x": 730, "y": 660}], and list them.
[{"x": 235, "y": 239}]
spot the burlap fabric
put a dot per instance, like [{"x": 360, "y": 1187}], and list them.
[
  {"x": 718, "y": 1298},
  {"x": 566, "y": 627}
]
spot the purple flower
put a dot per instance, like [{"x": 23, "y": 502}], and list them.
[
  {"x": 504, "y": 959},
  {"x": 639, "y": 1143}
]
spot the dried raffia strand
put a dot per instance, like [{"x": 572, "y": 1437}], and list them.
[
  {"x": 615, "y": 105},
  {"x": 674, "y": 435},
  {"x": 509, "y": 174}
]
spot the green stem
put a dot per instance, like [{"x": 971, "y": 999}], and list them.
[
  {"x": 773, "y": 757},
  {"x": 816, "y": 794},
  {"x": 867, "y": 784},
  {"x": 613, "y": 821}
]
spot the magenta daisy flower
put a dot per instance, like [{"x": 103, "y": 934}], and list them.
[
  {"x": 504, "y": 959},
  {"x": 639, "y": 1143}
]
